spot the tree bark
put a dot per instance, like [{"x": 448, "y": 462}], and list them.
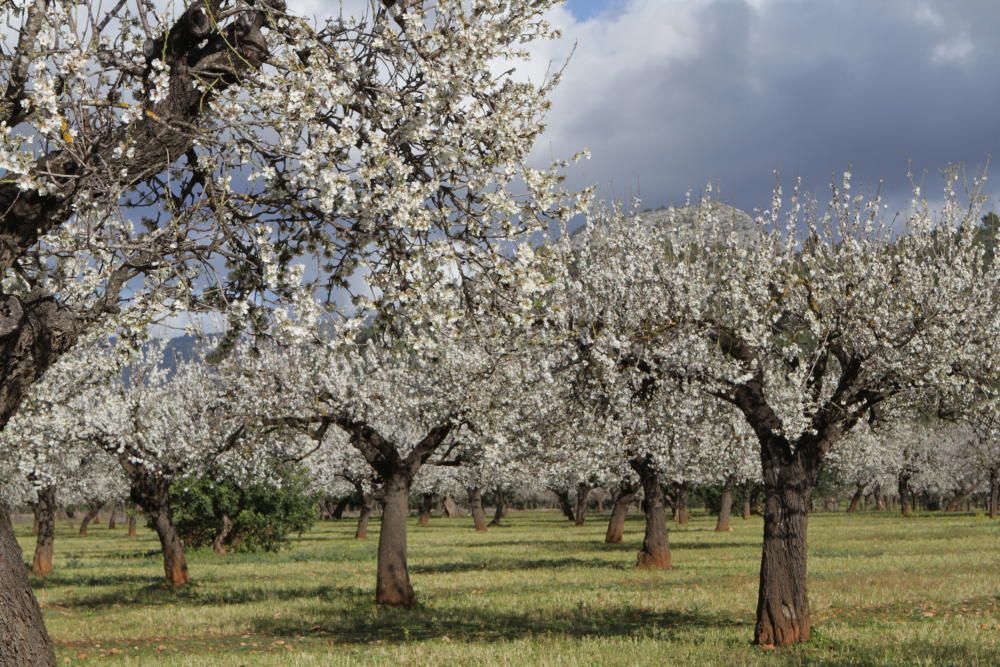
[
  {"x": 725, "y": 507},
  {"x": 367, "y": 507},
  {"x": 582, "y": 495},
  {"x": 133, "y": 530},
  {"x": 449, "y": 507},
  {"x": 392, "y": 585},
  {"x": 174, "y": 563},
  {"x": 994, "y": 503},
  {"x": 426, "y": 505},
  {"x": 93, "y": 509},
  {"x": 219, "y": 541},
  {"x": 565, "y": 506},
  {"x": 859, "y": 492},
  {"x": 41, "y": 564},
  {"x": 782, "y": 600},
  {"x": 476, "y": 509},
  {"x": 501, "y": 509},
  {"x": 113, "y": 519},
  {"x": 23, "y": 639},
  {"x": 616, "y": 525},
  {"x": 338, "y": 510},
  {"x": 905, "y": 497},
  {"x": 746, "y": 500},
  {"x": 681, "y": 506},
  {"x": 955, "y": 504},
  {"x": 655, "y": 552}
]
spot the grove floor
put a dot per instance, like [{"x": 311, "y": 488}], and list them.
[{"x": 539, "y": 591}]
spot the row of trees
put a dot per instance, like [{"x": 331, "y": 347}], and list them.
[{"x": 353, "y": 197}]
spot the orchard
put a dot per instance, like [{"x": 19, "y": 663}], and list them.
[{"x": 279, "y": 287}]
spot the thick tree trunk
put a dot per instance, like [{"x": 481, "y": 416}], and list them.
[
  {"x": 449, "y": 507},
  {"x": 92, "y": 512},
  {"x": 782, "y": 601},
  {"x": 133, "y": 530},
  {"x": 503, "y": 506},
  {"x": 582, "y": 495},
  {"x": 476, "y": 508},
  {"x": 994, "y": 503},
  {"x": 619, "y": 512},
  {"x": 174, "y": 563},
  {"x": 565, "y": 506},
  {"x": 655, "y": 552},
  {"x": 338, "y": 510},
  {"x": 113, "y": 519},
  {"x": 367, "y": 507},
  {"x": 392, "y": 585},
  {"x": 23, "y": 639},
  {"x": 746, "y": 500},
  {"x": 859, "y": 492},
  {"x": 681, "y": 504},
  {"x": 41, "y": 564},
  {"x": 725, "y": 507},
  {"x": 426, "y": 505}
]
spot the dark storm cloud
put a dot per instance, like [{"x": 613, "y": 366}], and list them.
[{"x": 673, "y": 95}]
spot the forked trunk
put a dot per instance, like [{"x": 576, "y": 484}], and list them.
[
  {"x": 367, "y": 507},
  {"x": 23, "y": 639},
  {"x": 746, "y": 500},
  {"x": 582, "y": 495},
  {"x": 426, "y": 505},
  {"x": 476, "y": 508},
  {"x": 45, "y": 512},
  {"x": 725, "y": 507},
  {"x": 449, "y": 507},
  {"x": 994, "y": 492},
  {"x": 502, "y": 507},
  {"x": 565, "y": 506},
  {"x": 859, "y": 492},
  {"x": 222, "y": 535},
  {"x": 616, "y": 525},
  {"x": 392, "y": 585},
  {"x": 782, "y": 600},
  {"x": 655, "y": 552},
  {"x": 174, "y": 563}
]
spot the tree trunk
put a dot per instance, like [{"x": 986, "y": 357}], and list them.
[
  {"x": 905, "y": 497},
  {"x": 562, "y": 497},
  {"x": 501, "y": 509},
  {"x": 582, "y": 495},
  {"x": 41, "y": 564},
  {"x": 392, "y": 585},
  {"x": 174, "y": 563},
  {"x": 994, "y": 493},
  {"x": 113, "y": 519},
  {"x": 367, "y": 507},
  {"x": 23, "y": 639},
  {"x": 34, "y": 518},
  {"x": 338, "y": 511},
  {"x": 476, "y": 508},
  {"x": 655, "y": 552},
  {"x": 133, "y": 530},
  {"x": 879, "y": 500},
  {"x": 681, "y": 506},
  {"x": 616, "y": 525},
  {"x": 426, "y": 505},
  {"x": 725, "y": 507},
  {"x": 91, "y": 514},
  {"x": 859, "y": 492},
  {"x": 955, "y": 504},
  {"x": 449, "y": 507},
  {"x": 782, "y": 600},
  {"x": 219, "y": 541},
  {"x": 746, "y": 500}
]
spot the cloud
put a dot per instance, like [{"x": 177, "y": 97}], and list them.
[{"x": 671, "y": 94}]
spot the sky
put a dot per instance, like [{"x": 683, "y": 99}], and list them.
[{"x": 671, "y": 95}]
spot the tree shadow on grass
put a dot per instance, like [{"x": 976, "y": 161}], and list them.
[
  {"x": 508, "y": 564},
  {"x": 73, "y": 580},
  {"x": 367, "y": 624},
  {"x": 193, "y": 595}
]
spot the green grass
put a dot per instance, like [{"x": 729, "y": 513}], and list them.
[{"x": 884, "y": 590}]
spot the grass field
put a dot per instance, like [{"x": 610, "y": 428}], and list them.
[{"x": 884, "y": 591}]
